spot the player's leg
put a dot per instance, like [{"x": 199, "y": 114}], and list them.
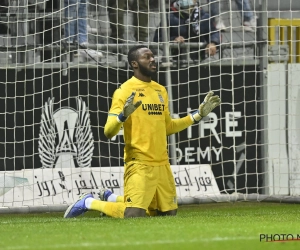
[
  {"x": 152, "y": 209},
  {"x": 87, "y": 202},
  {"x": 167, "y": 213},
  {"x": 131, "y": 212},
  {"x": 140, "y": 183},
  {"x": 112, "y": 209},
  {"x": 106, "y": 194},
  {"x": 166, "y": 192}
]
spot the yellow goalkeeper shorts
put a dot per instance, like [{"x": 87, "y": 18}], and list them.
[{"x": 147, "y": 186}]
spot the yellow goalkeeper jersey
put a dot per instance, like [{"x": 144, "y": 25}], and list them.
[{"x": 145, "y": 131}]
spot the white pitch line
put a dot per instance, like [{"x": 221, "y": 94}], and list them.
[{"x": 134, "y": 243}]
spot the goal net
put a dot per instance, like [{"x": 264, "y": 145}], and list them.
[{"x": 61, "y": 61}]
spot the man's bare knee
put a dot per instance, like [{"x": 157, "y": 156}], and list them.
[
  {"x": 167, "y": 213},
  {"x": 131, "y": 212}
]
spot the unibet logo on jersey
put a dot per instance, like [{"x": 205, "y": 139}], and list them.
[{"x": 154, "y": 109}]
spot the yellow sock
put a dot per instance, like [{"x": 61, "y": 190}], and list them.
[
  {"x": 113, "y": 209},
  {"x": 120, "y": 198}
]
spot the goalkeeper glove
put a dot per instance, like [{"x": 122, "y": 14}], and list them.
[
  {"x": 209, "y": 103},
  {"x": 129, "y": 108}
]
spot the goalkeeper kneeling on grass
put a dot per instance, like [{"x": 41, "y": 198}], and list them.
[{"x": 148, "y": 180}]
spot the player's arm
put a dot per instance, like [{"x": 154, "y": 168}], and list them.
[
  {"x": 112, "y": 126},
  {"x": 177, "y": 125},
  {"x": 115, "y": 121}
]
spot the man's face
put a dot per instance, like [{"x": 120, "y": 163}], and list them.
[{"x": 146, "y": 62}]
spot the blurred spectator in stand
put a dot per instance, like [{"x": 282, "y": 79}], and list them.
[
  {"x": 116, "y": 10},
  {"x": 91, "y": 30},
  {"x": 189, "y": 23},
  {"x": 76, "y": 27},
  {"x": 4, "y": 6},
  {"x": 214, "y": 11},
  {"x": 3, "y": 10},
  {"x": 4, "y": 33},
  {"x": 247, "y": 15}
]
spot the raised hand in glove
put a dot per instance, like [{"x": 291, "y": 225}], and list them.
[
  {"x": 210, "y": 102},
  {"x": 129, "y": 108}
]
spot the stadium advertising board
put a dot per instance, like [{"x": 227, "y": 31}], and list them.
[
  {"x": 48, "y": 120},
  {"x": 48, "y": 186}
]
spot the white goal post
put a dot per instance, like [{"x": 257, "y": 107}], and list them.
[{"x": 55, "y": 96}]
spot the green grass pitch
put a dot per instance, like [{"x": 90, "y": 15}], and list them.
[{"x": 207, "y": 226}]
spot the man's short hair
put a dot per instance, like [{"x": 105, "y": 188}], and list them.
[{"x": 133, "y": 53}]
